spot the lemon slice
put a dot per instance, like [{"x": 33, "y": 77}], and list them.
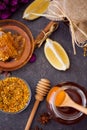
[
  {"x": 36, "y": 7},
  {"x": 56, "y": 55}
]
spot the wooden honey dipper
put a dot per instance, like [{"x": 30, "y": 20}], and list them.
[{"x": 42, "y": 89}]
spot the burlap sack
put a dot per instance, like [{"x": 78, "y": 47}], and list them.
[{"x": 76, "y": 13}]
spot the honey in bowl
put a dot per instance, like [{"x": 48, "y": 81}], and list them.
[
  {"x": 18, "y": 46},
  {"x": 15, "y": 95},
  {"x": 67, "y": 115},
  {"x": 11, "y": 46}
]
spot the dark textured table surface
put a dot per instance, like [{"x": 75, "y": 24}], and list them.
[{"x": 33, "y": 72}]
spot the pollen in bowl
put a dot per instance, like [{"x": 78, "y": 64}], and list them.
[{"x": 15, "y": 95}]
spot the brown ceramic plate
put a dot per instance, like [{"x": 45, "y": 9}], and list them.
[{"x": 15, "y": 26}]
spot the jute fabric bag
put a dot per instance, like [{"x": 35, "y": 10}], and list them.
[{"x": 75, "y": 11}]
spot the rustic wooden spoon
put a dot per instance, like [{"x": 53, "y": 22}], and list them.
[
  {"x": 68, "y": 102},
  {"x": 42, "y": 89}
]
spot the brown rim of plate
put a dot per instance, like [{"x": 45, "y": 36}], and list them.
[{"x": 24, "y": 31}]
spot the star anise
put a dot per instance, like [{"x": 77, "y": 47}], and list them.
[{"x": 44, "y": 118}]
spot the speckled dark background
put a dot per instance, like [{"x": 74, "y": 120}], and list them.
[{"x": 32, "y": 72}]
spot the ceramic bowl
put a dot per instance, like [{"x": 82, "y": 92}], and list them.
[
  {"x": 16, "y": 27},
  {"x": 15, "y": 91}
]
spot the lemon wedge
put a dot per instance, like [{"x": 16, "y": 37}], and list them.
[
  {"x": 56, "y": 55},
  {"x": 36, "y": 8}
]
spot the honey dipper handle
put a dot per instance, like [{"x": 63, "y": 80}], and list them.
[{"x": 32, "y": 115}]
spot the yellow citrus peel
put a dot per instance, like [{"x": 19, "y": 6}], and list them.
[
  {"x": 56, "y": 55},
  {"x": 35, "y": 9}
]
